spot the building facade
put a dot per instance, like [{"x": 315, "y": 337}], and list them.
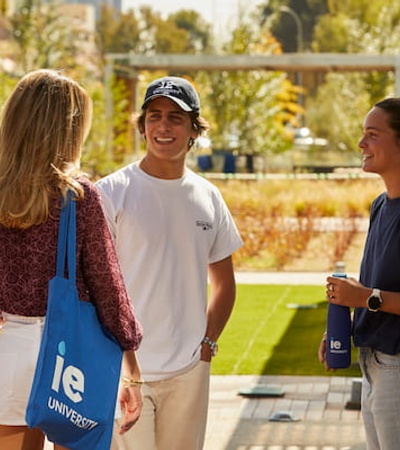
[{"x": 115, "y": 4}]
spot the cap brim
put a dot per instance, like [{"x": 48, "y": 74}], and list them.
[{"x": 178, "y": 101}]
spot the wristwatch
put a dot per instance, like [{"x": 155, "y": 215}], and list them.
[
  {"x": 212, "y": 344},
  {"x": 374, "y": 301}
]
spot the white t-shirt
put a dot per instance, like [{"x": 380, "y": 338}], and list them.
[{"x": 166, "y": 233}]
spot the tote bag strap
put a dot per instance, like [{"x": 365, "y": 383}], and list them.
[{"x": 66, "y": 246}]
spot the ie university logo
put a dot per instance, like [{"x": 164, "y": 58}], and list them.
[{"x": 70, "y": 378}]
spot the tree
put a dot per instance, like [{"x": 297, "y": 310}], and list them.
[
  {"x": 282, "y": 25},
  {"x": 162, "y": 36},
  {"x": 331, "y": 34},
  {"x": 251, "y": 109},
  {"x": 7, "y": 84},
  {"x": 146, "y": 32},
  {"x": 359, "y": 26},
  {"x": 109, "y": 143},
  {"x": 3, "y": 7},
  {"x": 168, "y": 38},
  {"x": 42, "y": 35},
  {"x": 339, "y": 120},
  {"x": 117, "y": 32},
  {"x": 199, "y": 30}
]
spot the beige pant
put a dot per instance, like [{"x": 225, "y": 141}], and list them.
[{"x": 174, "y": 414}]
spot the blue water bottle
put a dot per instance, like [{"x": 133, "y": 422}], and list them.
[{"x": 338, "y": 334}]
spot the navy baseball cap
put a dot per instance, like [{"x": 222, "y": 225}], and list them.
[{"x": 177, "y": 89}]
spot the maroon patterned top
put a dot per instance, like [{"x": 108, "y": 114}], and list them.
[{"x": 28, "y": 262}]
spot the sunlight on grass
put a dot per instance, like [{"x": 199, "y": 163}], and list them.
[{"x": 266, "y": 337}]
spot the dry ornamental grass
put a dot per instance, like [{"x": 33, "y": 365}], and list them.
[{"x": 302, "y": 225}]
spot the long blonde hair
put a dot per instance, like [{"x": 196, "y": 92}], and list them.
[{"x": 43, "y": 127}]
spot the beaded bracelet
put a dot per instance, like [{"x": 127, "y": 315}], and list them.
[{"x": 127, "y": 382}]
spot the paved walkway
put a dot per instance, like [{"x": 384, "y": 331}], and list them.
[
  {"x": 296, "y": 278},
  {"x": 237, "y": 422}
]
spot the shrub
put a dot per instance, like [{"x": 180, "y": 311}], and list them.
[{"x": 278, "y": 218}]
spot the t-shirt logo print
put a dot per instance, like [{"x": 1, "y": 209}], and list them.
[{"x": 204, "y": 225}]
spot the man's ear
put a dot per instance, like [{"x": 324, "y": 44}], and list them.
[
  {"x": 142, "y": 131},
  {"x": 195, "y": 131}
]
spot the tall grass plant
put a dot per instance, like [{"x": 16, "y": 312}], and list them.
[{"x": 277, "y": 220}]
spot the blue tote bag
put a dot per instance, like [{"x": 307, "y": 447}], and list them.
[{"x": 75, "y": 386}]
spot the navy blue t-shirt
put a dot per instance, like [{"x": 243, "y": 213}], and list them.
[{"x": 380, "y": 268}]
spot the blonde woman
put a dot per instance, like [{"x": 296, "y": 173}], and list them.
[{"x": 43, "y": 127}]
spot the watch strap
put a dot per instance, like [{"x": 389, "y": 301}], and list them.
[
  {"x": 376, "y": 293},
  {"x": 212, "y": 344}
]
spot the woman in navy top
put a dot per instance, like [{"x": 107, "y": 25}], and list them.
[{"x": 376, "y": 297}]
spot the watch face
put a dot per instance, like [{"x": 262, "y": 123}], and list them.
[{"x": 374, "y": 302}]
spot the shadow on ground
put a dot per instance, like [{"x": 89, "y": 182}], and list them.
[{"x": 301, "y": 341}]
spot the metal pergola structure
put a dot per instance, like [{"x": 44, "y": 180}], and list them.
[
  {"x": 288, "y": 62},
  {"x": 131, "y": 64}
]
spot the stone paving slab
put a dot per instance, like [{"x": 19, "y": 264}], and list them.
[{"x": 240, "y": 423}]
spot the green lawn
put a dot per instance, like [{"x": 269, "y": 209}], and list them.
[{"x": 266, "y": 335}]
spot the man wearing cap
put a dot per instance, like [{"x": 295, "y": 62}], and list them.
[{"x": 173, "y": 232}]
